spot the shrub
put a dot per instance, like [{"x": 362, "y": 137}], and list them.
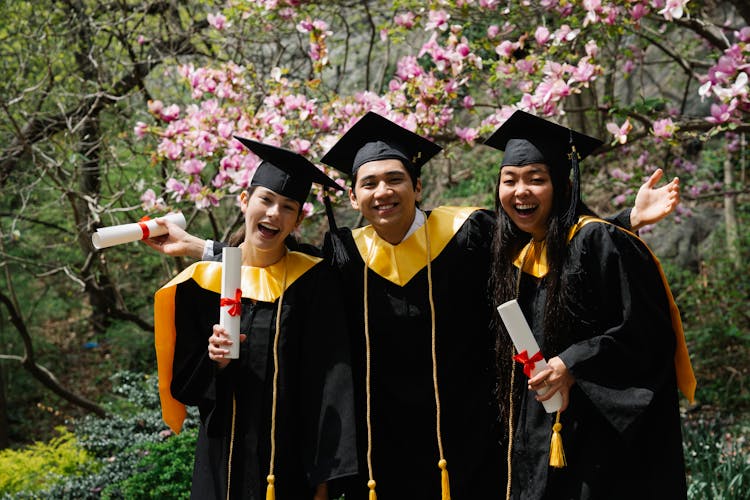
[{"x": 42, "y": 464}]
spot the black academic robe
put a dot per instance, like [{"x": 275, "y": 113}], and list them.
[
  {"x": 403, "y": 410},
  {"x": 621, "y": 431},
  {"x": 314, "y": 411}
]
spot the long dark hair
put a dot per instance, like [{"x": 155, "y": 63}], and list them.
[{"x": 507, "y": 242}]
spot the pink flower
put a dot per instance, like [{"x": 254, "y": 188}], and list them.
[
  {"x": 673, "y": 9},
  {"x": 638, "y": 11},
  {"x": 664, "y": 129},
  {"x": 492, "y": 31},
  {"x": 468, "y": 102},
  {"x": 141, "y": 40},
  {"x": 468, "y": 134},
  {"x": 628, "y": 66},
  {"x": 149, "y": 200},
  {"x": 620, "y": 175},
  {"x": 541, "y": 35},
  {"x": 505, "y": 49},
  {"x": 192, "y": 166},
  {"x": 592, "y": 49},
  {"x": 305, "y": 26},
  {"x": 438, "y": 19},
  {"x": 140, "y": 129},
  {"x": 175, "y": 187},
  {"x": 301, "y": 146},
  {"x": 620, "y": 132},
  {"x": 155, "y": 107},
  {"x": 170, "y": 113},
  {"x": 218, "y": 21},
  {"x": 405, "y": 20},
  {"x": 722, "y": 113}
]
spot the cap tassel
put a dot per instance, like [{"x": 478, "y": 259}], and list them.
[
  {"x": 444, "y": 482},
  {"x": 271, "y": 489},
  {"x": 570, "y": 216},
  {"x": 371, "y": 485},
  {"x": 556, "y": 451}
]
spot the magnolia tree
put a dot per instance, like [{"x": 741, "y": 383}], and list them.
[{"x": 657, "y": 79}]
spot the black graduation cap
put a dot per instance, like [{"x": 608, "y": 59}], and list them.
[
  {"x": 286, "y": 172},
  {"x": 527, "y": 139},
  {"x": 373, "y": 138}
]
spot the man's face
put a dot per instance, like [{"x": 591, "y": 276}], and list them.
[{"x": 385, "y": 195}]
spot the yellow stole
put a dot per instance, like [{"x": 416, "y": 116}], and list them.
[
  {"x": 400, "y": 263},
  {"x": 534, "y": 258},
  {"x": 258, "y": 283}
]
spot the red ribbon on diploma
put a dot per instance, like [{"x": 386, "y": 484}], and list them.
[
  {"x": 529, "y": 363},
  {"x": 235, "y": 302},
  {"x": 144, "y": 227}
]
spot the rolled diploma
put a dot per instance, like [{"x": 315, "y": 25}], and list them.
[
  {"x": 231, "y": 278},
  {"x": 524, "y": 340},
  {"x": 125, "y": 233}
]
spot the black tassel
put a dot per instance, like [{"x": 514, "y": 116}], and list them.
[
  {"x": 571, "y": 214},
  {"x": 334, "y": 249}
]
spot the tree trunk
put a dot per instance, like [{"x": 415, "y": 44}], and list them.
[
  {"x": 730, "y": 212},
  {"x": 4, "y": 440}
]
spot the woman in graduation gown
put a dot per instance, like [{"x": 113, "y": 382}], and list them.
[
  {"x": 278, "y": 419},
  {"x": 602, "y": 313}
]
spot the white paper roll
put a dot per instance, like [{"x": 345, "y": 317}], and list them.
[
  {"x": 523, "y": 340},
  {"x": 125, "y": 233},
  {"x": 231, "y": 279}
]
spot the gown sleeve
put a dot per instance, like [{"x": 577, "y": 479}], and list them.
[
  {"x": 327, "y": 391},
  {"x": 624, "y": 348}
]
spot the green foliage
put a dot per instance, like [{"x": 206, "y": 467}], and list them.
[
  {"x": 132, "y": 444},
  {"x": 164, "y": 471},
  {"x": 42, "y": 464},
  {"x": 716, "y": 460},
  {"x": 713, "y": 305}
]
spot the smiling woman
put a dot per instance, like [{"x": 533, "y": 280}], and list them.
[
  {"x": 604, "y": 318},
  {"x": 284, "y": 407}
]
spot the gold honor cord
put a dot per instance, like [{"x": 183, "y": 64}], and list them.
[
  {"x": 442, "y": 463},
  {"x": 371, "y": 480},
  {"x": 231, "y": 445},
  {"x": 511, "y": 409},
  {"x": 271, "y": 479}
]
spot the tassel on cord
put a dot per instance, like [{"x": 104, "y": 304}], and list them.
[
  {"x": 371, "y": 485},
  {"x": 444, "y": 482},
  {"x": 271, "y": 489},
  {"x": 556, "y": 452}
]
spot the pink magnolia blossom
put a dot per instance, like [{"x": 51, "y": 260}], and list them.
[
  {"x": 492, "y": 31},
  {"x": 141, "y": 40},
  {"x": 618, "y": 174},
  {"x": 468, "y": 134},
  {"x": 301, "y": 146},
  {"x": 193, "y": 166},
  {"x": 176, "y": 188},
  {"x": 405, "y": 19},
  {"x": 438, "y": 19},
  {"x": 664, "y": 129},
  {"x": 149, "y": 201},
  {"x": 140, "y": 130},
  {"x": 155, "y": 107},
  {"x": 638, "y": 11},
  {"x": 620, "y": 132},
  {"x": 468, "y": 102},
  {"x": 170, "y": 113},
  {"x": 542, "y": 35},
  {"x": 218, "y": 21},
  {"x": 169, "y": 149},
  {"x": 592, "y": 49},
  {"x": 722, "y": 113},
  {"x": 673, "y": 9}
]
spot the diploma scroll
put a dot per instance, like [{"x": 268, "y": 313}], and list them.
[
  {"x": 125, "y": 233},
  {"x": 524, "y": 340},
  {"x": 231, "y": 296}
]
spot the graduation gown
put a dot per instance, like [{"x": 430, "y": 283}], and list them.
[
  {"x": 314, "y": 412},
  {"x": 403, "y": 409},
  {"x": 621, "y": 431}
]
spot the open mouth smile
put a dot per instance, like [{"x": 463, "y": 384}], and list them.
[{"x": 267, "y": 230}]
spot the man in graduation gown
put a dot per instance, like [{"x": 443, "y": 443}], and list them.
[{"x": 280, "y": 417}]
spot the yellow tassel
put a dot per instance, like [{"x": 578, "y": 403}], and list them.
[
  {"x": 444, "y": 482},
  {"x": 371, "y": 485},
  {"x": 271, "y": 489},
  {"x": 556, "y": 451}
]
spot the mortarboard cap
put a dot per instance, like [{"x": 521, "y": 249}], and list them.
[
  {"x": 286, "y": 172},
  {"x": 373, "y": 138},
  {"x": 527, "y": 139}
]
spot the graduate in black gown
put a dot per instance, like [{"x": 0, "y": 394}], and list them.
[
  {"x": 416, "y": 289},
  {"x": 604, "y": 318},
  {"x": 278, "y": 419}
]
